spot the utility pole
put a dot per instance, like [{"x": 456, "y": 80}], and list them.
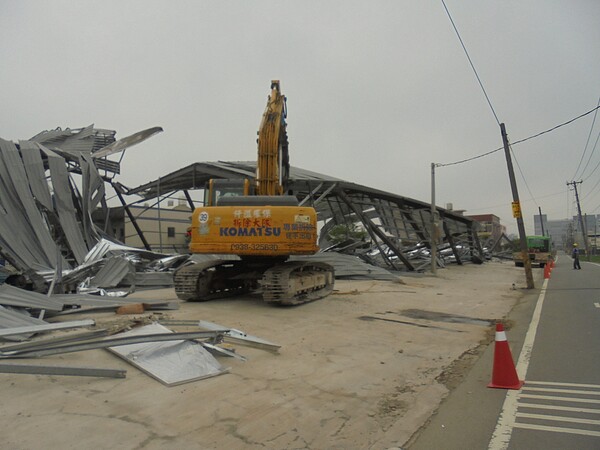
[
  {"x": 581, "y": 224},
  {"x": 541, "y": 220},
  {"x": 433, "y": 233},
  {"x": 516, "y": 205}
]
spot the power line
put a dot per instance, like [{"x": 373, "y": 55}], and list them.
[
  {"x": 586, "y": 146},
  {"x": 499, "y": 205},
  {"x": 523, "y": 176},
  {"x": 593, "y": 190},
  {"x": 471, "y": 63},
  {"x": 521, "y": 140},
  {"x": 595, "y": 168}
]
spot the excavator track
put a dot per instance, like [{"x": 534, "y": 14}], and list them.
[
  {"x": 297, "y": 282},
  {"x": 288, "y": 283},
  {"x": 214, "y": 279}
]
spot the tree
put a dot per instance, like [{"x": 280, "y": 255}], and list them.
[{"x": 344, "y": 232}]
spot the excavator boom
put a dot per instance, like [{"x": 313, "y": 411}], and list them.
[{"x": 272, "y": 168}]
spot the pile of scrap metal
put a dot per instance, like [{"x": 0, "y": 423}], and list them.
[
  {"x": 502, "y": 248},
  {"x": 47, "y": 235},
  {"x": 418, "y": 254},
  {"x": 170, "y": 357}
]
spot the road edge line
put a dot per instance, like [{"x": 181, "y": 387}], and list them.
[{"x": 503, "y": 431}]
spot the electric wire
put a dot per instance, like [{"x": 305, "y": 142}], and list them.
[
  {"x": 586, "y": 146},
  {"x": 523, "y": 176},
  {"x": 471, "y": 62},
  {"x": 595, "y": 168},
  {"x": 498, "y": 121},
  {"x": 519, "y": 141},
  {"x": 488, "y": 207},
  {"x": 593, "y": 189}
]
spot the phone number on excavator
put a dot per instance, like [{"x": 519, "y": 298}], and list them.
[{"x": 256, "y": 247}]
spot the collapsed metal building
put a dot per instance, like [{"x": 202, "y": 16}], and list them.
[
  {"x": 58, "y": 255},
  {"x": 47, "y": 233},
  {"x": 398, "y": 229},
  {"x": 46, "y": 230}
]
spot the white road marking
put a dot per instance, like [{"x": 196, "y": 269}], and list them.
[
  {"x": 560, "y": 399},
  {"x": 552, "y": 383},
  {"x": 559, "y": 408},
  {"x": 559, "y": 418},
  {"x": 562, "y": 391},
  {"x": 597, "y": 305},
  {"x": 555, "y": 413},
  {"x": 506, "y": 421},
  {"x": 528, "y": 426}
]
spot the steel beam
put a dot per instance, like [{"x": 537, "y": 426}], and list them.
[
  {"x": 375, "y": 229},
  {"x": 111, "y": 342},
  {"x": 62, "y": 370}
]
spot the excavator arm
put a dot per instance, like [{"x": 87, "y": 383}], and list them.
[{"x": 272, "y": 169}]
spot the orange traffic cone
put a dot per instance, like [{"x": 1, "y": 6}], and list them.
[
  {"x": 547, "y": 271},
  {"x": 504, "y": 374}
]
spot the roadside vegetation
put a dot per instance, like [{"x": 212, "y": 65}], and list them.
[{"x": 595, "y": 258}]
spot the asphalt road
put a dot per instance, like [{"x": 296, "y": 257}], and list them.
[{"x": 559, "y": 405}]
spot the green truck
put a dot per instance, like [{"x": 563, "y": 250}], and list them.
[{"x": 539, "y": 249}]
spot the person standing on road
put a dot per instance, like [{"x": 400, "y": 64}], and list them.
[{"x": 575, "y": 256}]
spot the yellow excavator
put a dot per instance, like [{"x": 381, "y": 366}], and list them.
[{"x": 262, "y": 225}]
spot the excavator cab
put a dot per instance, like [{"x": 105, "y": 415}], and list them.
[{"x": 223, "y": 188}]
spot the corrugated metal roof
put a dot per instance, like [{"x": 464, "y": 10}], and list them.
[
  {"x": 11, "y": 318},
  {"x": 30, "y": 152},
  {"x": 64, "y": 206},
  {"x": 13, "y": 296},
  {"x": 127, "y": 142},
  {"x": 21, "y": 227},
  {"x": 77, "y": 140},
  {"x": 114, "y": 270},
  {"x": 350, "y": 267}
]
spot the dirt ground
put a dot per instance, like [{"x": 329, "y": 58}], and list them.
[{"x": 362, "y": 369}]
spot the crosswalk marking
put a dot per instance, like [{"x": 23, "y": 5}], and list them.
[
  {"x": 559, "y": 418},
  {"x": 559, "y": 408},
  {"x": 560, "y": 399},
  {"x": 550, "y": 383},
  {"x": 556, "y": 429},
  {"x": 553, "y": 411},
  {"x": 563, "y": 391}
]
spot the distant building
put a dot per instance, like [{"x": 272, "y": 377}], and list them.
[
  {"x": 592, "y": 228},
  {"x": 565, "y": 232},
  {"x": 165, "y": 228},
  {"x": 540, "y": 225},
  {"x": 559, "y": 231},
  {"x": 490, "y": 227}
]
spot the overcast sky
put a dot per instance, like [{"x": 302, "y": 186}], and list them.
[{"x": 377, "y": 90}]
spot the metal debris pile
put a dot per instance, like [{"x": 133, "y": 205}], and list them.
[
  {"x": 419, "y": 255},
  {"x": 170, "y": 357},
  {"x": 49, "y": 186}
]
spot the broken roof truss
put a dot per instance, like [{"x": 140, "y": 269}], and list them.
[{"x": 399, "y": 228}]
